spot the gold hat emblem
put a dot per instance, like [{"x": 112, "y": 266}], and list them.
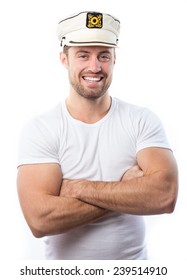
[{"x": 94, "y": 20}]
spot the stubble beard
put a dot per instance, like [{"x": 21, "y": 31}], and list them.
[{"x": 89, "y": 93}]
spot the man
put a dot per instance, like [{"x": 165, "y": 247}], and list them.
[{"x": 94, "y": 165}]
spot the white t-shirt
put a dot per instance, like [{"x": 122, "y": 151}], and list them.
[{"x": 102, "y": 151}]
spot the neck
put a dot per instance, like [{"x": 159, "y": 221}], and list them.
[{"x": 88, "y": 110}]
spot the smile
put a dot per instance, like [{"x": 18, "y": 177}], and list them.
[{"x": 92, "y": 79}]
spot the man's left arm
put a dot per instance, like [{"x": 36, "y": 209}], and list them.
[{"x": 153, "y": 193}]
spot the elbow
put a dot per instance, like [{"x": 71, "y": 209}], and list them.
[
  {"x": 44, "y": 226},
  {"x": 171, "y": 198},
  {"x": 37, "y": 229},
  {"x": 39, "y": 225},
  {"x": 37, "y": 233},
  {"x": 170, "y": 207}
]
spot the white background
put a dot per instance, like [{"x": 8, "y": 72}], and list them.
[{"x": 151, "y": 71}]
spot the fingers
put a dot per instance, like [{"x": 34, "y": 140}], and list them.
[{"x": 132, "y": 173}]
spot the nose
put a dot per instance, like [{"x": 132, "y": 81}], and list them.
[{"x": 94, "y": 65}]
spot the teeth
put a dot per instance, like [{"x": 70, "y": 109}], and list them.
[{"x": 92, "y": 79}]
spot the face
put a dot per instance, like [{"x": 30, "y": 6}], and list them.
[{"x": 90, "y": 70}]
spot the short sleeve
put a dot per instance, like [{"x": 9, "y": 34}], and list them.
[
  {"x": 38, "y": 143},
  {"x": 150, "y": 131}
]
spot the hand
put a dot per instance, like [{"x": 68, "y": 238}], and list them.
[
  {"x": 132, "y": 173},
  {"x": 71, "y": 188}
]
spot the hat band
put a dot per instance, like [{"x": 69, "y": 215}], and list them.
[
  {"x": 90, "y": 37},
  {"x": 92, "y": 42}
]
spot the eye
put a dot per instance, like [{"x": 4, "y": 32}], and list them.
[
  {"x": 83, "y": 56},
  {"x": 104, "y": 57}
]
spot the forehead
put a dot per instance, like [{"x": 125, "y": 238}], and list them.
[{"x": 91, "y": 49}]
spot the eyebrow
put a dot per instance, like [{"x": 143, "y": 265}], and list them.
[{"x": 84, "y": 51}]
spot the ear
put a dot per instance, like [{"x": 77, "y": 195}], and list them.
[
  {"x": 114, "y": 57},
  {"x": 64, "y": 59}
]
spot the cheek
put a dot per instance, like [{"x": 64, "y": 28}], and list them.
[
  {"x": 73, "y": 73},
  {"x": 109, "y": 70},
  {"x": 74, "y": 67}
]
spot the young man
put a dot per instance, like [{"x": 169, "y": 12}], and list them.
[{"x": 92, "y": 166}]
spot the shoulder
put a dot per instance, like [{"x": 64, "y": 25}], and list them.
[
  {"x": 46, "y": 121},
  {"x": 44, "y": 129},
  {"x": 39, "y": 138},
  {"x": 132, "y": 111},
  {"x": 50, "y": 117},
  {"x": 144, "y": 123}
]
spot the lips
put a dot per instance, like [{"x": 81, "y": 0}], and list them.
[{"x": 92, "y": 79}]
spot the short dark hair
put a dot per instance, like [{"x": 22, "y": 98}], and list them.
[{"x": 65, "y": 49}]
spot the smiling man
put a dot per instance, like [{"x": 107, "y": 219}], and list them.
[
  {"x": 94, "y": 66},
  {"x": 90, "y": 168}
]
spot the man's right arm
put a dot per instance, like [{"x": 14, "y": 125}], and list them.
[{"x": 46, "y": 212}]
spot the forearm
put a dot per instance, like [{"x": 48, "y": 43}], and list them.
[
  {"x": 62, "y": 214},
  {"x": 45, "y": 208},
  {"x": 140, "y": 196}
]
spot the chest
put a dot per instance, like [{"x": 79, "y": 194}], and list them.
[{"x": 102, "y": 152}]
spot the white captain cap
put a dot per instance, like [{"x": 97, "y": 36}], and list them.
[{"x": 89, "y": 29}]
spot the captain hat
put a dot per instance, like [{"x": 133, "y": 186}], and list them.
[{"x": 89, "y": 29}]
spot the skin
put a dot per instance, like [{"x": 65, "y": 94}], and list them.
[
  {"x": 152, "y": 193},
  {"x": 84, "y": 65},
  {"x": 52, "y": 205}
]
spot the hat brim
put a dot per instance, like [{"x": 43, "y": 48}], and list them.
[{"x": 94, "y": 37}]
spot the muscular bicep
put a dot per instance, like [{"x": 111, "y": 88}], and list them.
[
  {"x": 152, "y": 160},
  {"x": 161, "y": 177},
  {"x": 39, "y": 178},
  {"x": 45, "y": 210},
  {"x": 35, "y": 183}
]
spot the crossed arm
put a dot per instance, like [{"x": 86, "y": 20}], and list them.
[
  {"x": 52, "y": 206},
  {"x": 153, "y": 192}
]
